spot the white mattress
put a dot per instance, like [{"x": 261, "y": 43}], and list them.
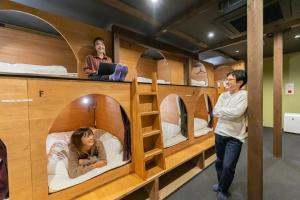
[
  {"x": 174, "y": 140},
  {"x": 35, "y": 69},
  {"x": 171, "y": 134},
  {"x": 57, "y": 150},
  {"x": 199, "y": 83},
  {"x": 202, "y": 131},
  {"x": 201, "y": 127},
  {"x": 148, "y": 80}
]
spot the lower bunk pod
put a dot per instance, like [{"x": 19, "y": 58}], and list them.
[{"x": 56, "y": 115}]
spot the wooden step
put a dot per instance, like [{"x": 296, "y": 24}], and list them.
[
  {"x": 147, "y": 93},
  {"x": 150, "y": 133},
  {"x": 149, "y": 113},
  {"x": 151, "y": 153}
]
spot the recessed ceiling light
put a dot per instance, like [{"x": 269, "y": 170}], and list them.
[
  {"x": 154, "y": 1},
  {"x": 237, "y": 51},
  {"x": 297, "y": 36},
  {"x": 211, "y": 34}
]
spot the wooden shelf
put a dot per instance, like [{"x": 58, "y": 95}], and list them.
[
  {"x": 210, "y": 160},
  {"x": 188, "y": 153},
  {"x": 154, "y": 172},
  {"x": 151, "y": 133},
  {"x": 189, "y": 173},
  {"x": 149, "y": 113},
  {"x": 151, "y": 153},
  {"x": 147, "y": 93}
]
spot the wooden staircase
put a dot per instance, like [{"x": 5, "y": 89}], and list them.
[{"x": 148, "y": 153}]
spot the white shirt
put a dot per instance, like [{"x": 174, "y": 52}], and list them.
[{"x": 231, "y": 111}]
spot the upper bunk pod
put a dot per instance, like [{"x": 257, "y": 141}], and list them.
[{"x": 26, "y": 51}]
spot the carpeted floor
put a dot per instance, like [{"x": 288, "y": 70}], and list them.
[{"x": 281, "y": 177}]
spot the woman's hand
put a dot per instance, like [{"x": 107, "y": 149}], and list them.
[
  {"x": 81, "y": 161},
  {"x": 99, "y": 164}
]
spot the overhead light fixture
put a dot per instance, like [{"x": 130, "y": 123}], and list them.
[
  {"x": 237, "y": 51},
  {"x": 297, "y": 36},
  {"x": 211, "y": 34},
  {"x": 154, "y": 1}
]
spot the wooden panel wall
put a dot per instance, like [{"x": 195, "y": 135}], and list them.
[
  {"x": 14, "y": 132},
  {"x": 81, "y": 42},
  {"x": 201, "y": 111},
  {"x": 222, "y": 70},
  {"x": 108, "y": 116},
  {"x": 164, "y": 70},
  {"x": 74, "y": 116},
  {"x": 209, "y": 68},
  {"x": 130, "y": 55},
  {"x": 169, "y": 109},
  {"x": 30, "y": 48},
  {"x": 43, "y": 111},
  {"x": 146, "y": 67}
]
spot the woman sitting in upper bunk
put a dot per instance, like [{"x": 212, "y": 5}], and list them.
[
  {"x": 100, "y": 66},
  {"x": 85, "y": 153}
]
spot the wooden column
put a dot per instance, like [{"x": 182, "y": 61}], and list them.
[
  {"x": 277, "y": 84},
  {"x": 255, "y": 94},
  {"x": 116, "y": 47}
]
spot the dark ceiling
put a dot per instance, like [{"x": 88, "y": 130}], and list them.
[{"x": 181, "y": 23}]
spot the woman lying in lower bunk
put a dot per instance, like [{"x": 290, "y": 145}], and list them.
[{"x": 85, "y": 153}]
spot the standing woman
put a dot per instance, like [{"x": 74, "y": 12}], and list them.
[{"x": 230, "y": 130}]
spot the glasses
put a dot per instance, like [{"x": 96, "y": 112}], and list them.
[{"x": 229, "y": 79}]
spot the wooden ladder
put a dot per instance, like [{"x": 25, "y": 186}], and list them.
[{"x": 148, "y": 153}]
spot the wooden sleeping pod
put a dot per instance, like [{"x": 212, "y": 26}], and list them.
[{"x": 33, "y": 107}]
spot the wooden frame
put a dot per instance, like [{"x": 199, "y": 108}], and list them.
[{"x": 34, "y": 104}]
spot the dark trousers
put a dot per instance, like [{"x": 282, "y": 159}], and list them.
[
  {"x": 228, "y": 151},
  {"x": 103, "y": 73}
]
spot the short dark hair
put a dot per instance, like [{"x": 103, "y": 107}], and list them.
[
  {"x": 240, "y": 75},
  {"x": 98, "y": 38},
  {"x": 78, "y": 134}
]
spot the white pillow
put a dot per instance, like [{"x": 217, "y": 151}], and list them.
[
  {"x": 112, "y": 145},
  {"x": 198, "y": 83},
  {"x": 170, "y": 130},
  {"x": 58, "y": 158},
  {"x": 199, "y": 124}
]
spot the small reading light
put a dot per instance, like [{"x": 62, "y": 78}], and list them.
[
  {"x": 297, "y": 36},
  {"x": 85, "y": 100},
  {"x": 237, "y": 51},
  {"x": 211, "y": 34}
]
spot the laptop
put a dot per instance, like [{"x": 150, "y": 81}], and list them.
[{"x": 106, "y": 69}]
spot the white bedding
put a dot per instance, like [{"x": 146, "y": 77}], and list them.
[
  {"x": 172, "y": 134},
  {"x": 201, "y": 127},
  {"x": 148, "y": 80},
  {"x": 35, "y": 69},
  {"x": 57, "y": 151},
  {"x": 199, "y": 83}
]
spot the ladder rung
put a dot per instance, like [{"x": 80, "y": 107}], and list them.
[
  {"x": 150, "y": 133},
  {"x": 147, "y": 93},
  {"x": 149, "y": 113},
  {"x": 151, "y": 153}
]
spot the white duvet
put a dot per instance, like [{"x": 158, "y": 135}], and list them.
[
  {"x": 35, "y": 69},
  {"x": 201, "y": 127},
  {"x": 57, "y": 151},
  {"x": 171, "y": 134},
  {"x": 148, "y": 80}
]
